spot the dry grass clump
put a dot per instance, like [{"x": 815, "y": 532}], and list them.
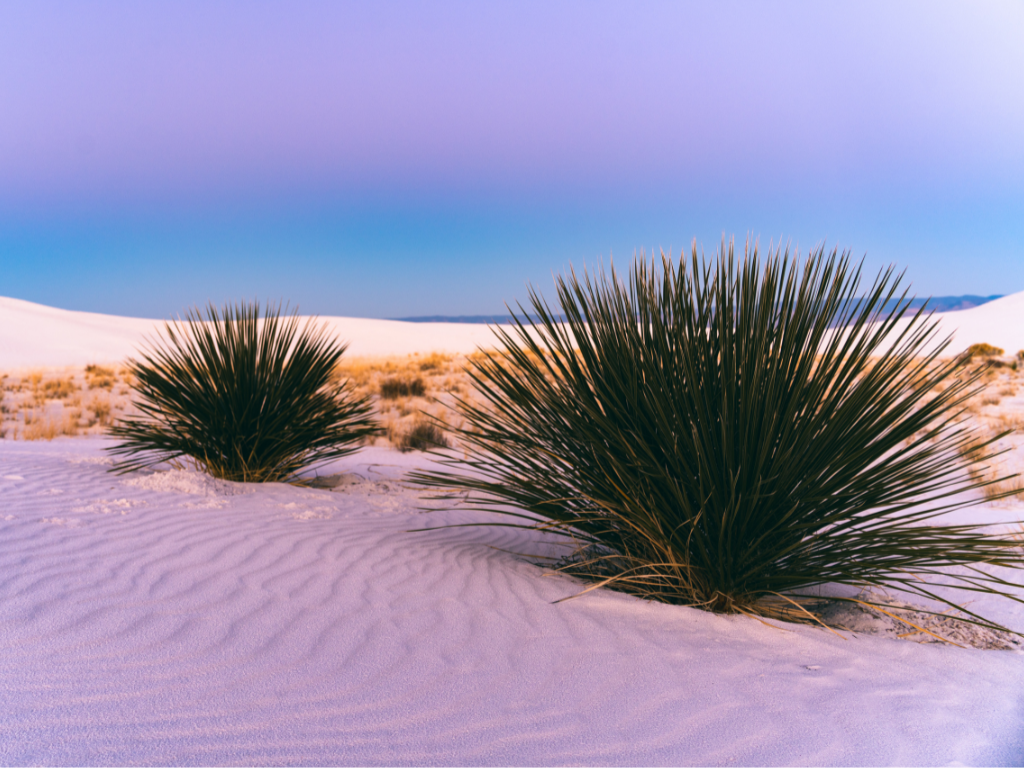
[
  {"x": 394, "y": 388},
  {"x": 703, "y": 436},
  {"x": 99, "y": 377},
  {"x": 58, "y": 389},
  {"x": 435, "y": 361},
  {"x": 422, "y": 435},
  {"x": 983, "y": 351},
  {"x": 101, "y": 411},
  {"x": 1010, "y": 422},
  {"x": 47, "y": 427}
]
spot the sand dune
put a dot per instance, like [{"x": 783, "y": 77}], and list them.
[
  {"x": 36, "y": 335},
  {"x": 172, "y": 619},
  {"x": 999, "y": 322}
]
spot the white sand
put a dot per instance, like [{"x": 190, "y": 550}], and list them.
[
  {"x": 172, "y": 619},
  {"x": 999, "y": 322},
  {"x": 169, "y": 618},
  {"x": 36, "y": 335}
]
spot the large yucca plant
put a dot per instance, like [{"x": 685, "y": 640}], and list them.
[
  {"x": 732, "y": 434},
  {"x": 244, "y": 397}
]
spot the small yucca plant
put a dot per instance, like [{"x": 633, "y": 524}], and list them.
[
  {"x": 243, "y": 397},
  {"x": 731, "y": 435}
]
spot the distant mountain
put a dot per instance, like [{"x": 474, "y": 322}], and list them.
[
  {"x": 937, "y": 303},
  {"x": 954, "y": 303},
  {"x": 487, "y": 319}
]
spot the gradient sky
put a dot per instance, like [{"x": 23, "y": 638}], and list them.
[{"x": 388, "y": 159}]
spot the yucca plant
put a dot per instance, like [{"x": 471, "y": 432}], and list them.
[
  {"x": 732, "y": 434},
  {"x": 243, "y": 397}
]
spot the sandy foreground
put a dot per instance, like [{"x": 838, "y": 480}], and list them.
[{"x": 169, "y": 618}]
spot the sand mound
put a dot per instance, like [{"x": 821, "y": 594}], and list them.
[{"x": 907, "y": 621}]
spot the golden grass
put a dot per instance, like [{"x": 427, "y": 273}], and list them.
[
  {"x": 101, "y": 410},
  {"x": 983, "y": 350},
  {"x": 84, "y": 393},
  {"x": 1009, "y": 421},
  {"x": 435, "y": 361},
  {"x": 46, "y": 427},
  {"x": 1008, "y": 489},
  {"x": 98, "y": 377},
  {"x": 58, "y": 389}
]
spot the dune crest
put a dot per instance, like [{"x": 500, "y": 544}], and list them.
[{"x": 34, "y": 335}]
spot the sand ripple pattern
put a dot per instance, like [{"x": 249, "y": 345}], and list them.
[{"x": 171, "y": 619}]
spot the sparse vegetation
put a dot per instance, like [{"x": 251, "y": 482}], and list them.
[
  {"x": 704, "y": 435},
  {"x": 101, "y": 393},
  {"x": 243, "y": 397}
]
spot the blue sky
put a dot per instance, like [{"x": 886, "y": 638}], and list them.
[{"x": 390, "y": 159}]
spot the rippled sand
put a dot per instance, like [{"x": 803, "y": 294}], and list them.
[{"x": 174, "y": 619}]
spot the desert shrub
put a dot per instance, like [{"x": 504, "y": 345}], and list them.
[
  {"x": 422, "y": 436},
  {"x": 396, "y": 387},
  {"x": 243, "y": 397},
  {"x": 434, "y": 361},
  {"x": 58, "y": 389},
  {"x": 982, "y": 350},
  {"x": 100, "y": 410},
  {"x": 98, "y": 377},
  {"x": 730, "y": 435}
]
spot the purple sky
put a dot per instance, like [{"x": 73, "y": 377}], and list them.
[{"x": 390, "y": 159}]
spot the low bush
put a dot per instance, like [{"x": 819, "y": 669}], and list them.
[
  {"x": 243, "y": 397},
  {"x": 98, "y": 377},
  {"x": 985, "y": 351},
  {"x": 58, "y": 389},
  {"x": 395, "y": 387},
  {"x": 422, "y": 436},
  {"x": 731, "y": 435},
  {"x": 434, "y": 361}
]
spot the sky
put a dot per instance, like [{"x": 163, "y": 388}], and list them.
[{"x": 394, "y": 159}]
